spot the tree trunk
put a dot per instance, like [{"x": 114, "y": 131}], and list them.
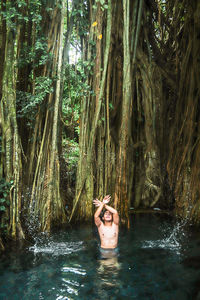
[{"x": 12, "y": 169}]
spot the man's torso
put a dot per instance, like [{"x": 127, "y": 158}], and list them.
[{"x": 108, "y": 236}]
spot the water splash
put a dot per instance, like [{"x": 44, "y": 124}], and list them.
[
  {"x": 57, "y": 248},
  {"x": 173, "y": 239}
]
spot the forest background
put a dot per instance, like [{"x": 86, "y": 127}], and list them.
[{"x": 97, "y": 97}]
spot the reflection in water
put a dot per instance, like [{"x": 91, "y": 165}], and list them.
[
  {"x": 71, "y": 273},
  {"x": 108, "y": 275},
  {"x": 69, "y": 284}
]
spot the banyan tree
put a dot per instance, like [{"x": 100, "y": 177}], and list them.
[
  {"x": 139, "y": 128},
  {"x": 31, "y": 87},
  {"x": 139, "y": 122}
]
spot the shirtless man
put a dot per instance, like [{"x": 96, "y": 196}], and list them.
[{"x": 109, "y": 228}]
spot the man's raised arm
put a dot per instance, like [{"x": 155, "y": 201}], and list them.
[{"x": 100, "y": 206}]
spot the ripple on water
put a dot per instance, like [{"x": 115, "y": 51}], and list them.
[{"x": 78, "y": 271}]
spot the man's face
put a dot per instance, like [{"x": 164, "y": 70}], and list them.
[{"x": 107, "y": 216}]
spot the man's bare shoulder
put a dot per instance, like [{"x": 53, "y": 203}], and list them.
[{"x": 115, "y": 226}]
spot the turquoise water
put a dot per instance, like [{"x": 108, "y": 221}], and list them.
[{"x": 158, "y": 258}]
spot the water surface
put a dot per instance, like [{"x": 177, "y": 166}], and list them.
[{"x": 158, "y": 258}]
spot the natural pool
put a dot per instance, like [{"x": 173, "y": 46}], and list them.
[{"x": 159, "y": 258}]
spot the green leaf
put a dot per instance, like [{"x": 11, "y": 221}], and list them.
[
  {"x": 3, "y": 225},
  {"x": 111, "y": 106},
  {"x": 2, "y": 208}
]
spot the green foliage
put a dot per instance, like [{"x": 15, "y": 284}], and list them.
[
  {"x": 79, "y": 20},
  {"x": 111, "y": 106},
  {"x": 86, "y": 68},
  {"x": 4, "y": 192},
  {"x": 28, "y": 103},
  {"x": 80, "y": 15},
  {"x": 102, "y": 3},
  {"x": 75, "y": 89},
  {"x": 71, "y": 156},
  {"x": 4, "y": 203},
  {"x": 18, "y": 12},
  {"x": 72, "y": 153},
  {"x": 35, "y": 55},
  {"x": 11, "y": 14}
]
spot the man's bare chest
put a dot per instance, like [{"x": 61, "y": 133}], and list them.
[{"x": 108, "y": 231}]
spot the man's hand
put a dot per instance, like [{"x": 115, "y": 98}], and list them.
[
  {"x": 106, "y": 199},
  {"x": 97, "y": 203}
]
